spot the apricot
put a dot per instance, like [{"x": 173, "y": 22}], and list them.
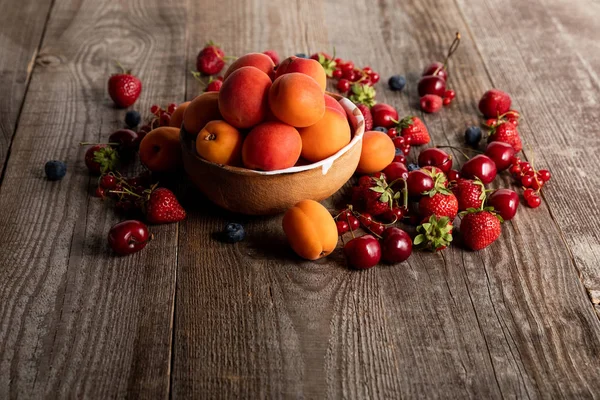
[
  {"x": 333, "y": 103},
  {"x": 378, "y": 152},
  {"x": 177, "y": 116},
  {"x": 271, "y": 146},
  {"x": 305, "y": 66},
  {"x": 297, "y": 100},
  {"x": 243, "y": 99},
  {"x": 326, "y": 137},
  {"x": 201, "y": 110},
  {"x": 220, "y": 143},
  {"x": 160, "y": 150},
  {"x": 310, "y": 229},
  {"x": 257, "y": 60}
]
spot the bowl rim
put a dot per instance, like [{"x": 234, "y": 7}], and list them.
[{"x": 359, "y": 130}]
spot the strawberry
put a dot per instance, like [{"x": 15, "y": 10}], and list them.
[
  {"x": 327, "y": 62},
  {"x": 414, "y": 130},
  {"x": 374, "y": 195},
  {"x": 469, "y": 193},
  {"x": 494, "y": 102},
  {"x": 434, "y": 233},
  {"x": 210, "y": 60},
  {"x": 124, "y": 88},
  {"x": 480, "y": 227},
  {"x": 101, "y": 158},
  {"x": 362, "y": 94},
  {"x": 440, "y": 204},
  {"x": 506, "y": 131},
  {"x": 162, "y": 207},
  {"x": 366, "y": 112}
]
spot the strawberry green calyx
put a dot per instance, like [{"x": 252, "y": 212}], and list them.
[
  {"x": 434, "y": 234},
  {"x": 328, "y": 64},
  {"x": 439, "y": 182},
  {"x": 405, "y": 122},
  {"x": 387, "y": 193},
  {"x": 363, "y": 94},
  {"x": 107, "y": 158},
  {"x": 489, "y": 209}
]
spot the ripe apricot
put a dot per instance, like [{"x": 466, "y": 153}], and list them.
[
  {"x": 310, "y": 229},
  {"x": 271, "y": 146},
  {"x": 306, "y": 66},
  {"x": 257, "y": 60},
  {"x": 201, "y": 110},
  {"x": 220, "y": 143},
  {"x": 378, "y": 152},
  {"x": 326, "y": 137},
  {"x": 177, "y": 116},
  {"x": 160, "y": 150},
  {"x": 333, "y": 103},
  {"x": 243, "y": 99},
  {"x": 297, "y": 100}
]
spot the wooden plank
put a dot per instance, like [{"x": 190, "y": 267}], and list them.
[
  {"x": 77, "y": 321},
  {"x": 254, "y": 321},
  {"x": 553, "y": 76},
  {"x": 19, "y": 43}
]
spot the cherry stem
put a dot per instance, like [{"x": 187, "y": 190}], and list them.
[
  {"x": 461, "y": 150},
  {"x": 453, "y": 47},
  {"x": 349, "y": 226}
]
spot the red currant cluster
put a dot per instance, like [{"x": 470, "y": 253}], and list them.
[
  {"x": 129, "y": 193},
  {"x": 531, "y": 180},
  {"x": 401, "y": 143},
  {"x": 160, "y": 116}
]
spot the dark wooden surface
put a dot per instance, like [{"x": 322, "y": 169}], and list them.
[{"x": 191, "y": 317}]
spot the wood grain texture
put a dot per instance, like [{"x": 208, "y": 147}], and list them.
[
  {"x": 77, "y": 321},
  {"x": 19, "y": 42}
]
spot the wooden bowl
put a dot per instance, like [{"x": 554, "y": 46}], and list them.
[{"x": 253, "y": 192}]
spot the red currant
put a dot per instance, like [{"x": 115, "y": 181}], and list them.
[
  {"x": 446, "y": 101},
  {"x": 408, "y": 139},
  {"x": 406, "y": 149},
  {"x": 337, "y": 74},
  {"x": 544, "y": 175},
  {"x": 528, "y": 193},
  {"x": 399, "y": 142},
  {"x": 534, "y": 201},
  {"x": 515, "y": 170},
  {"x": 358, "y": 77},
  {"x": 353, "y": 222},
  {"x": 400, "y": 158},
  {"x": 108, "y": 181},
  {"x": 453, "y": 175},
  {"x": 514, "y": 160},
  {"x": 342, "y": 227},
  {"x": 343, "y": 85},
  {"x": 155, "y": 109},
  {"x": 449, "y": 94},
  {"x": 349, "y": 75},
  {"x": 526, "y": 181},
  {"x": 374, "y": 77},
  {"x": 367, "y": 70},
  {"x": 100, "y": 192},
  {"x": 348, "y": 66},
  {"x": 392, "y": 132},
  {"x": 171, "y": 108}
]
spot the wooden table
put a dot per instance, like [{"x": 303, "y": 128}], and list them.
[{"x": 191, "y": 317}]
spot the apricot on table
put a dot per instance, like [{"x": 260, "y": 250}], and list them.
[
  {"x": 297, "y": 100},
  {"x": 220, "y": 143},
  {"x": 326, "y": 137},
  {"x": 306, "y": 66},
  {"x": 243, "y": 99},
  {"x": 177, "y": 116},
  {"x": 310, "y": 230},
  {"x": 333, "y": 103},
  {"x": 160, "y": 150},
  {"x": 257, "y": 60},
  {"x": 378, "y": 152},
  {"x": 271, "y": 146},
  {"x": 202, "y": 109}
]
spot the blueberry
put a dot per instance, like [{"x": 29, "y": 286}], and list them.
[
  {"x": 55, "y": 170},
  {"x": 473, "y": 135},
  {"x": 397, "y": 82},
  {"x": 381, "y": 129},
  {"x": 412, "y": 167},
  {"x": 132, "y": 118},
  {"x": 301, "y": 55},
  {"x": 234, "y": 233}
]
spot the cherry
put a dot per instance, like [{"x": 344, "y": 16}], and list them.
[
  {"x": 365, "y": 219},
  {"x": 431, "y": 84},
  {"x": 501, "y": 153},
  {"x": 395, "y": 170},
  {"x": 343, "y": 85},
  {"x": 544, "y": 175},
  {"x": 437, "y": 158},
  {"x": 393, "y": 215},
  {"x": 342, "y": 227},
  {"x": 108, "y": 181},
  {"x": 453, "y": 175},
  {"x": 353, "y": 223},
  {"x": 505, "y": 203},
  {"x": 480, "y": 166},
  {"x": 363, "y": 252},
  {"x": 384, "y": 115},
  {"x": 100, "y": 192},
  {"x": 436, "y": 68},
  {"x": 128, "y": 237},
  {"x": 126, "y": 139},
  {"x": 377, "y": 228},
  {"x": 418, "y": 181},
  {"x": 534, "y": 201},
  {"x": 396, "y": 245}
]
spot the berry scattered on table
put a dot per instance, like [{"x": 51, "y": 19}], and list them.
[
  {"x": 435, "y": 157},
  {"x": 480, "y": 166},
  {"x": 363, "y": 252},
  {"x": 505, "y": 131},
  {"x": 397, "y": 82},
  {"x": 101, "y": 158},
  {"x": 414, "y": 130},
  {"x": 396, "y": 245},
  {"x": 434, "y": 233},
  {"x": 124, "y": 88},
  {"x": 479, "y": 228},
  {"x": 234, "y": 233},
  {"x": 210, "y": 60},
  {"x": 128, "y": 237},
  {"x": 473, "y": 135},
  {"x": 366, "y": 112},
  {"x": 55, "y": 170},
  {"x": 132, "y": 118},
  {"x": 494, "y": 102},
  {"x": 469, "y": 193},
  {"x": 163, "y": 207},
  {"x": 384, "y": 115},
  {"x": 505, "y": 202}
]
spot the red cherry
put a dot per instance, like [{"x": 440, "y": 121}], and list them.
[
  {"x": 100, "y": 192},
  {"x": 480, "y": 166},
  {"x": 505, "y": 203},
  {"x": 399, "y": 142},
  {"x": 342, "y": 227},
  {"x": 353, "y": 223},
  {"x": 377, "y": 228},
  {"x": 374, "y": 77},
  {"x": 384, "y": 115},
  {"x": 436, "y": 68},
  {"x": 431, "y": 84},
  {"x": 365, "y": 219},
  {"x": 501, "y": 153},
  {"x": 345, "y": 214},
  {"x": 418, "y": 182},
  {"x": 526, "y": 181},
  {"x": 108, "y": 181},
  {"x": 534, "y": 201},
  {"x": 453, "y": 175},
  {"x": 126, "y": 139},
  {"x": 393, "y": 215},
  {"x": 396, "y": 245},
  {"x": 544, "y": 175},
  {"x": 337, "y": 74},
  {"x": 395, "y": 170},
  {"x": 363, "y": 252},
  {"x": 343, "y": 85},
  {"x": 435, "y": 157},
  {"x": 400, "y": 157},
  {"x": 128, "y": 237}
]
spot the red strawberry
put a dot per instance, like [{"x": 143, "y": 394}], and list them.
[
  {"x": 101, "y": 158},
  {"x": 434, "y": 233},
  {"x": 274, "y": 56},
  {"x": 163, "y": 207},
  {"x": 366, "y": 112},
  {"x": 494, "y": 102},
  {"x": 479, "y": 228},
  {"x": 124, "y": 88},
  {"x": 412, "y": 127},
  {"x": 469, "y": 193},
  {"x": 439, "y": 204},
  {"x": 506, "y": 131},
  {"x": 210, "y": 60}
]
